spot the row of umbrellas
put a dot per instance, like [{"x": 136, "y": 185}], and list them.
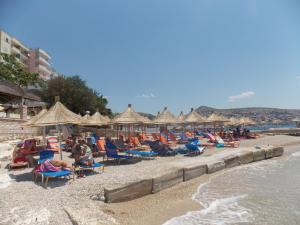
[{"x": 59, "y": 114}]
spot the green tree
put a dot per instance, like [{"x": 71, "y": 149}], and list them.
[
  {"x": 75, "y": 95},
  {"x": 13, "y": 71}
]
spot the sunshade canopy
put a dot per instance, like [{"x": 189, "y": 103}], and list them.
[
  {"x": 95, "y": 120},
  {"x": 129, "y": 116},
  {"x": 214, "y": 118},
  {"x": 35, "y": 118},
  {"x": 56, "y": 115},
  {"x": 165, "y": 117},
  {"x": 194, "y": 117},
  {"x": 181, "y": 118},
  {"x": 247, "y": 121}
]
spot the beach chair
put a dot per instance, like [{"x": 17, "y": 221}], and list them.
[
  {"x": 112, "y": 152},
  {"x": 142, "y": 153},
  {"x": 18, "y": 165},
  {"x": 44, "y": 155},
  {"x": 53, "y": 144},
  {"x": 81, "y": 168},
  {"x": 221, "y": 143},
  {"x": 194, "y": 148},
  {"x": 155, "y": 137},
  {"x": 52, "y": 174}
]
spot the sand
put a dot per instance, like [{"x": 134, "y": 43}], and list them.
[{"x": 22, "y": 201}]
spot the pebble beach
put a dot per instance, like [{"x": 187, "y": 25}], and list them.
[{"x": 82, "y": 201}]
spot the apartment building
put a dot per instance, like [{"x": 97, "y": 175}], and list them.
[{"x": 34, "y": 60}]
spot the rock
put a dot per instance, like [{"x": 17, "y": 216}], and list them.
[
  {"x": 215, "y": 166},
  {"x": 278, "y": 151},
  {"x": 194, "y": 171},
  {"x": 231, "y": 161},
  {"x": 167, "y": 180},
  {"x": 128, "y": 192},
  {"x": 258, "y": 154},
  {"x": 245, "y": 157}
]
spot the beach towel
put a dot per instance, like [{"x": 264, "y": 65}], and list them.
[{"x": 47, "y": 166}]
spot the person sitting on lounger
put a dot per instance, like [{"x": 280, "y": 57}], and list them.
[
  {"x": 19, "y": 157},
  {"x": 161, "y": 148},
  {"x": 86, "y": 155}
]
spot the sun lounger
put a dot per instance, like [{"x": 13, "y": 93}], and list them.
[
  {"x": 96, "y": 165},
  {"x": 141, "y": 153},
  {"x": 44, "y": 155},
  {"x": 18, "y": 165},
  {"x": 53, "y": 144},
  {"x": 46, "y": 175}
]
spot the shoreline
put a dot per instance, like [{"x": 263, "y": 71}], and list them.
[{"x": 156, "y": 209}]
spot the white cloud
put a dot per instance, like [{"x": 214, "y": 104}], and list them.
[
  {"x": 247, "y": 94},
  {"x": 298, "y": 77},
  {"x": 151, "y": 95}
]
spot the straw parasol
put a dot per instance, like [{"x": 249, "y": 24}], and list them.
[
  {"x": 165, "y": 118},
  {"x": 95, "y": 120},
  {"x": 194, "y": 117},
  {"x": 247, "y": 121},
  {"x": 181, "y": 118},
  {"x": 233, "y": 121},
  {"x": 276, "y": 121},
  {"x": 129, "y": 116},
  {"x": 35, "y": 118},
  {"x": 215, "y": 118},
  {"x": 58, "y": 114}
]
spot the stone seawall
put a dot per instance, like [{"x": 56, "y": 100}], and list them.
[
  {"x": 11, "y": 129},
  {"x": 208, "y": 165}
]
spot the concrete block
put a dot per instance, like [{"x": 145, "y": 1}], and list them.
[
  {"x": 231, "y": 161},
  {"x": 167, "y": 180},
  {"x": 258, "y": 154},
  {"x": 215, "y": 166},
  {"x": 278, "y": 151},
  {"x": 245, "y": 157},
  {"x": 128, "y": 192},
  {"x": 269, "y": 152},
  {"x": 194, "y": 171}
]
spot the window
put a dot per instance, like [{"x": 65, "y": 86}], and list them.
[{"x": 6, "y": 39}]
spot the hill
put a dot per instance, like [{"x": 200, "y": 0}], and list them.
[{"x": 256, "y": 113}]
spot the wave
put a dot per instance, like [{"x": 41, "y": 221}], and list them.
[{"x": 219, "y": 212}]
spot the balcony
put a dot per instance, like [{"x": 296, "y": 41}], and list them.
[
  {"x": 44, "y": 70},
  {"x": 43, "y": 61},
  {"x": 44, "y": 53},
  {"x": 15, "y": 50}
]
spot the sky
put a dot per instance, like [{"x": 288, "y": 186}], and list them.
[{"x": 180, "y": 54}]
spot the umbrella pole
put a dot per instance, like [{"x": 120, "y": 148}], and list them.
[
  {"x": 59, "y": 141},
  {"x": 44, "y": 135}
]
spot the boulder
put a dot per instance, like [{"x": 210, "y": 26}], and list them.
[
  {"x": 215, "y": 166},
  {"x": 278, "y": 151},
  {"x": 194, "y": 171},
  {"x": 258, "y": 154},
  {"x": 129, "y": 192},
  {"x": 167, "y": 180},
  {"x": 245, "y": 157},
  {"x": 231, "y": 161}
]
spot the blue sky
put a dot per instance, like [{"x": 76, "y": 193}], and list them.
[{"x": 180, "y": 54}]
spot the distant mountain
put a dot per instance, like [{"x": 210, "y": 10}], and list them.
[{"x": 256, "y": 113}]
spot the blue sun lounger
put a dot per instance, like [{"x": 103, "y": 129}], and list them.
[
  {"x": 44, "y": 155},
  {"x": 141, "y": 153},
  {"x": 95, "y": 165},
  {"x": 47, "y": 175}
]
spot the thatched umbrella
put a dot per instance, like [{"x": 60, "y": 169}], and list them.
[
  {"x": 194, "y": 118},
  {"x": 181, "y": 118},
  {"x": 35, "y": 118},
  {"x": 216, "y": 119},
  {"x": 165, "y": 118},
  {"x": 129, "y": 117},
  {"x": 247, "y": 121},
  {"x": 233, "y": 121},
  {"x": 57, "y": 115},
  {"x": 95, "y": 120}
]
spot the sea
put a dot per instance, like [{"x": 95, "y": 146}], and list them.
[{"x": 261, "y": 193}]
